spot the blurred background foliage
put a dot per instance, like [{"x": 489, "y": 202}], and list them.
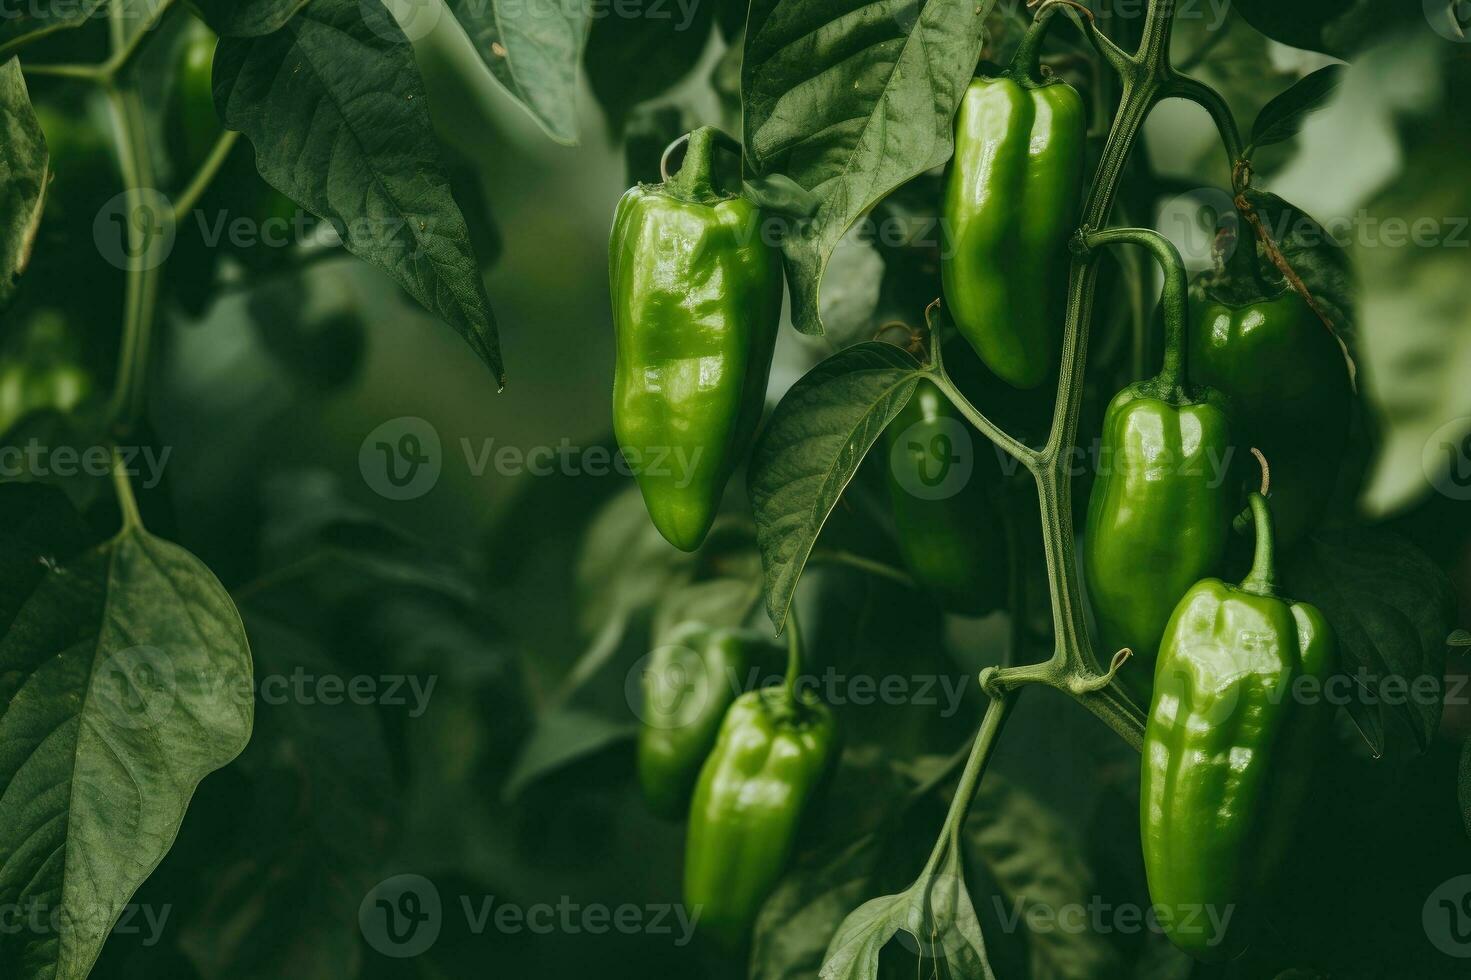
[{"x": 530, "y": 598}]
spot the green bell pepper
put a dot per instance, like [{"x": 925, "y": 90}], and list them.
[
  {"x": 948, "y": 532},
  {"x": 1289, "y": 389},
  {"x": 1010, "y": 206},
  {"x": 689, "y": 682},
  {"x": 1159, "y": 517},
  {"x": 1227, "y": 747},
  {"x": 773, "y": 751},
  {"x": 696, "y": 304}
]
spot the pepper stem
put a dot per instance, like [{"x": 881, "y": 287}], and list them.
[
  {"x": 695, "y": 179},
  {"x": 1262, "y": 579},
  {"x": 1173, "y": 299},
  {"x": 794, "y": 654},
  {"x": 1026, "y": 64}
]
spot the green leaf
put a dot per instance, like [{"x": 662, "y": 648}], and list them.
[
  {"x": 337, "y": 112},
  {"x": 1038, "y": 862},
  {"x": 936, "y": 912},
  {"x": 625, "y": 564},
  {"x": 1390, "y": 608},
  {"x": 534, "y": 50},
  {"x": 850, "y": 103},
  {"x": 639, "y": 49},
  {"x": 24, "y": 174},
  {"x": 249, "y": 18},
  {"x": 28, "y": 22},
  {"x": 126, "y": 680},
  {"x": 1331, "y": 26},
  {"x": 562, "y": 737},
  {"x": 1320, "y": 262},
  {"x": 811, "y": 450},
  {"x": 1281, "y": 118}
]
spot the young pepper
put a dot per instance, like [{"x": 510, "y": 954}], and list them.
[
  {"x": 1010, "y": 206},
  {"x": 690, "y": 681},
  {"x": 775, "y": 748},
  {"x": 1160, "y": 514},
  {"x": 947, "y": 528},
  {"x": 696, "y": 303},
  {"x": 1288, "y": 385},
  {"x": 1227, "y": 747}
]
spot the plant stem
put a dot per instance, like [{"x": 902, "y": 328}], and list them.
[
  {"x": 126, "y": 502},
  {"x": 128, "y": 49},
  {"x": 1262, "y": 579},
  {"x": 794, "y": 652},
  {"x": 1173, "y": 298},
  {"x": 1145, "y": 75},
  {"x": 989, "y": 429},
  {"x": 970, "y": 780},
  {"x": 876, "y": 568},
  {"x": 206, "y": 175}
]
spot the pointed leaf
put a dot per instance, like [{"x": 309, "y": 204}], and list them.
[
  {"x": 24, "y": 172},
  {"x": 1281, "y": 119},
  {"x": 534, "y": 49},
  {"x": 335, "y": 107},
  {"x": 811, "y": 449},
  {"x": 125, "y": 679},
  {"x": 850, "y": 102}
]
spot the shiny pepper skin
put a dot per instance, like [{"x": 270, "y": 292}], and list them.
[
  {"x": 772, "y": 754},
  {"x": 696, "y": 303},
  {"x": 1290, "y": 394},
  {"x": 1011, "y": 204},
  {"x": 689, "y": 682},
  {"x": 947, "y": 528},
  {"x": 1228, "y": 748},
  {"x": 197, "y": 122},
  {"x": 1159, "y": 518}
]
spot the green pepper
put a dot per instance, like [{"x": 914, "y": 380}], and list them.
[
  {"x": 696, "y": 304},
  {"x": 1228, "y": 747},
  {"x": 1159, "y": 517},
  {"x": 196, "y": 122},
  {"x": 774, "y": 749},
  {"x": 1287, "y": 381},
  {"x": 947, "y": 528},
  {"x": 1010, "y": 206},
  {"x": 689, "y": 682}
]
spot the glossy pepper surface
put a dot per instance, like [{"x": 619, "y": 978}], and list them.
[
  {"x": 947, "y": 527},
  {"x": 1011, "y": 203},
  {"x": 1159, "y": 517},
  {"x": 197, "y": 122},
  {"x": 1288, "y": 385},
  {"x": 773, "y": 751},
  {"x": 696, "y": 303},
  {"x": 690, "y": 681},
  {"x": 1228, "y": 748}
]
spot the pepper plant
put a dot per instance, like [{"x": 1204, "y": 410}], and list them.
[{"x": 971, "y": 451}]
